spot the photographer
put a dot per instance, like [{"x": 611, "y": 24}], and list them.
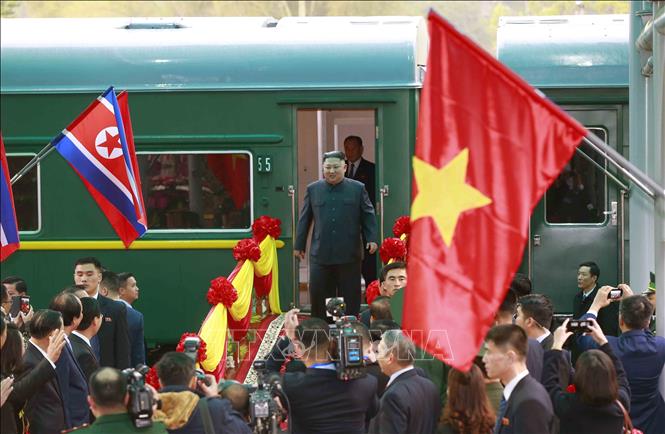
[
  {"x": 189, "y": 406},
  {"x": 108, "y": 401},
  {"x": 320, "y": 402}
]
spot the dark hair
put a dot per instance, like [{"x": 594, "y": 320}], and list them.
[
  {"x": 44, "y": 322},
  {"x": 391, "y": 266},
  {"x": 333, "y": 154},
  {"x": 12, "y": 352},
  {"x": 509, "y": 335},
  {"x": 123, "y": 277},
  {"x": 21, "y": 286},
  {"x": 356, "y": 139},
  {"x": 380, "y": 326},
  {"x": 468, "y": 409},
  {"x": 110, "y": 281},
  {"x": 89, "y": 260},
  {"x": 175, "y": 369},
  {"x": 108, "y": 387},
  {"x": 363, "y": 331},
  {"x": 509, "y": 302},
  {"x": 636, "y": 312},
  {"x": 90, "y": 312},
  {"x": 593, "y": 268},
  {"x": 4, "y": 296},
  {"x": 238, "y": 395},
  {"x": 3, "y": 324},
  {"x": 74, "y": 289},
  {"x": 313, "y": 332},
  {"x": 68, "y": 305},
  {"x": 521, "y": 284},
  {"x": 595, "y": 378},
  {"x": 539, "y": 307},
  {"x": 380, "y": 308}
]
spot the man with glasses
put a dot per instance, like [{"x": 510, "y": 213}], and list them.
[{"x": 341, "y": 212}]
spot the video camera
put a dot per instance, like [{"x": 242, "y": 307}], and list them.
[
  {"x": 141, "y": 400},
  {"x": 192, "y": 345},
  {"x": 264, "y": 413},
  {"x": 347, "y": 343}
]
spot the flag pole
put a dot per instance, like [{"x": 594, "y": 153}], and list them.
[{"x": 35, "y": 160}]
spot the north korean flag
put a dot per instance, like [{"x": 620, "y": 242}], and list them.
[
  {"x": 96, "y": 147},
  {"x": 9, "y": 240}
]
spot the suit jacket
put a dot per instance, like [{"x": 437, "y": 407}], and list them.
[
  {"x": 529, "y": 410},
  {"x": 410, "y": 404},
  {"x": 136, "y": 339},
  {"x": 365, "y": 173},
  {"x": 339, "y": 213},
  {"x": 574, "y": 415},
  {"x": 643, "y": 358},
  {"x": 323, "y": 404},
  {"x": 114, "y": 347},
  {"x": 84, "y": 355},
  {"x": 608, "y": 319},
  {"x": 44, "y": 410},
  {"x": 74, "y": 387},
  {"x": 534, "y": 359},
  {"x": 547, "y": 342}
]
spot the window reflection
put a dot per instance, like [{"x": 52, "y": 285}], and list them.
[{"x": 26, "y": 200}]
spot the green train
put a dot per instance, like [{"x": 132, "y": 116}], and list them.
[{"x": 231, "y": 116}]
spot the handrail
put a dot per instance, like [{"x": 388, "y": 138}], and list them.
[{"x": 603, "y": 169}]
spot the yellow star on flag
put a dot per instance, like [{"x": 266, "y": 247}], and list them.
[{"x": 444, "y": 195}]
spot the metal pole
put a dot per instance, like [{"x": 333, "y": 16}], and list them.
[{"x": 35, "y": 160}]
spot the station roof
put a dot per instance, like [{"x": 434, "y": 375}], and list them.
[
  {"x": 82, "y": 55},
  {"x": 566, "y": 51}
]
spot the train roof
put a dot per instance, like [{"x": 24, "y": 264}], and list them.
[
  {"x": 566, "y": 51},
  {"x": 89, "y": 54}
]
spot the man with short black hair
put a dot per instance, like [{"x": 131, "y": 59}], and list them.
[
  {"x": 521, "y": 284},
  {"x": 588, "y": 274},
  {"x": 525, "y": 405},
  {"x": 128, "y": 293},
  {"x": 341, "y": 212},
  {"x": 186, "y": 401},
  {"x": 15, "y": 286},
  {"x": 392, "y": 278},
  {"x": 108, "y": 402},
  {"x": 534, "y": 314},
  {"x": 81, "y": 337}
]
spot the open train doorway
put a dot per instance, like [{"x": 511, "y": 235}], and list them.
[{"x": 320, "y": 131}]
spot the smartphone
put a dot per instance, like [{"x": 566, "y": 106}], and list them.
[
  {"x": 578, "y": 326},
  {"x": 615, "y": 294},
  {"x": 20, "y": 303}
]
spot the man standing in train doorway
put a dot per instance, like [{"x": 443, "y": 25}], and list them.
[
  {"x": 362, "y": 170},
  {"x": 341, "y": 211}
]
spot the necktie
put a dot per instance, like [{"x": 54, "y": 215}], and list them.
[{"x": 499, "y": 416}]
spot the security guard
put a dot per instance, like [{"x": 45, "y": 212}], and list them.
[{"x": 340, "y": 209}]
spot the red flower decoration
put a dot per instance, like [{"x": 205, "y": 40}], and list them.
[
  {"x": 392, "y": 248},
  {"x": 222, "y": 291},
  {"x": 402, "y": 226},
  {"x": 372, "y": 291},
  {"x": 571, "y": 388},
  {"x": 247, "y": 249},
  {"x": 201, "y": 356},
  {"x": 264, "y": 226},
  {"x": 152, "y": 379}
]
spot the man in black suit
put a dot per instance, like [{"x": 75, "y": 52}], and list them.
[
  {"x": 587, "y": 281},
  {"x": 534, "y": 314},
  {"x": 44, "y": 410},
  {"x": 341, "y": 211},
  {"x": 128, "y": 293},
  {"x": 525, "y": 407},
  {"x": 80, "y": 338},
  {"x": 73, "y": 382},
  {"x": 410, "y": 403},
  {"x": 364, "y": 171},
  {"x": 111, "y": 345},
  {"x": 320, "y": 402}
]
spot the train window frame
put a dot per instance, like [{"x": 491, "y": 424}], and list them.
[
  {"x": 38, "y": 167},
  {"x": 211, "y": 231},
  {"x": 606, "y": 219}
]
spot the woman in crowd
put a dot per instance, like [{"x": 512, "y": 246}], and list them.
[
  {"x": 26, "y": 383},
  {"x": 600, "y": 384},
  {"x": 467, "y": 410}
]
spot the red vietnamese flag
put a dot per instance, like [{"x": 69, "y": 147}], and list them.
[{"x": 488, "y": 146}]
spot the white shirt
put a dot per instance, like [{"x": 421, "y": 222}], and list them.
[
  {"x": 397, "y": 374},
  {"x": 353, "y": 166},
  {"x": 85, "y": 339},
  {"x": 512, "y": 383},
  {"x": 585, "y": 294},
  {"x": 43, "y": 353},
  {"x": 542, "y": 337}
]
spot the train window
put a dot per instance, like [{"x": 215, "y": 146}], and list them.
[
  {"x": 26, "y": 194},
  {"x": 577, "y": 196},
  {"x": 197, "y": 191}
]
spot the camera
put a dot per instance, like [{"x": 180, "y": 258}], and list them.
[
  {"x": 347, "y": 347},
  {"x": 579, "y": 326},
  {"x": 335, "y": 307},
  {"x": 264, "y": 414},
  {"x": 140, "y": 402},
  {"x": 615, "y": 294},
  {"x": 191, "y": 349}
]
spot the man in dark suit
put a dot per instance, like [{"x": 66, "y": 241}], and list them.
[
  {"x": 44, "y": 410},
  {"x": 341, "y": 211},
  {"x": 525, "y": 407},
  {"x": 128, "y": 293},
  {"x": 80, "y": 338},
  {"x": 320, "y": 402},
  {"x": 73, "y": 382},
  {"x": 111, "y": 345},
  {"x": 587, "y": 281},
  {"x": 534, "y": 314},
  {"x": 642, "y": 355},
  {"x": 410, "y": 403},
  {"x": 364, "y": 171}
]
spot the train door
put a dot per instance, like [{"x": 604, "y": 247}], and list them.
[
  {"x": 579, "y": 219},
  {"x": 320, "y": 131}
]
